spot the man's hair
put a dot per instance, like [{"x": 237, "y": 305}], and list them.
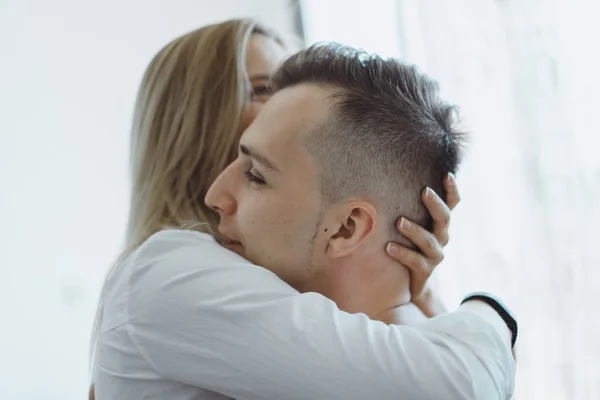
[{"x": 389, "y": 134}]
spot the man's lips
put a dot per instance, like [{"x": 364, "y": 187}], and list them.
[
  {"x": 225, "y": 241},
  {"x": 234, "y": 246},
  {"x": 229, "y": 242}
]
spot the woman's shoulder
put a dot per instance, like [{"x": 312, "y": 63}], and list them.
[
  {"x": 175, "y": 258},
  {"x": 181, "y": 246},
  {"x": 177, "y": 238},
  {"x": 172, "y": 264}
]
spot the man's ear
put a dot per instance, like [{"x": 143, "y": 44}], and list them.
[{"x": 352, "y": 223}]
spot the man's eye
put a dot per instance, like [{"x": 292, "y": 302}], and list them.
[{"x": 253, "y": 178}]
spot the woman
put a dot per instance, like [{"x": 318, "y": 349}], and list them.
[{"x": 197, "y": 96}]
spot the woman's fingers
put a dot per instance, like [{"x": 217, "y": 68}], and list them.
[
  {"x": 430, "y": 245},
  {"x": 440, "y": 210},
  {"x": 452, "y": 194},
  {"x": 431, "y": 250},
  {"x": 440, "y": 213},
  {"x": 425, "y": 240},
  {"x": 410, "y": 259}
]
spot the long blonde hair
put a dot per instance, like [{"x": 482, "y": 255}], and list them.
[
  {"x": 185, "y": 131},
  {"x": 186, "y": 126}
]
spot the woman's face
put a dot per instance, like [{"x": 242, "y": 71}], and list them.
[{"x": 264, "y": 55}]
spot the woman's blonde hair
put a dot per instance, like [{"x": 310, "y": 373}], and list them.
[
  {"x": 186, "y": 126},
  {"x": 185, "y": 131}
]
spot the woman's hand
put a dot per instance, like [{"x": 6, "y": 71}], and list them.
[{"x": 421, "y": 265}]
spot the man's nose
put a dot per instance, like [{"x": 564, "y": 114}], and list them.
[{"x": 219, "y": 196}]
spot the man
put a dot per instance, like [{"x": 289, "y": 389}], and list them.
[
  {"x": 312, "y": 198},
  {"x": 344, "y": 148}
]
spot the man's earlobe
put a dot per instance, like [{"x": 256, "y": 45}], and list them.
[{"x": 355, "y": 223}]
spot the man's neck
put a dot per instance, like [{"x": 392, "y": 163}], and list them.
[{"x": 374, "y": 288}]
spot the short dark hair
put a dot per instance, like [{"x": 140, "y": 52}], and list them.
[{"x": 389, "y": 136}]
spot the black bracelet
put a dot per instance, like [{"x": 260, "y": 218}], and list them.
[{"x": 500, "y": 308}]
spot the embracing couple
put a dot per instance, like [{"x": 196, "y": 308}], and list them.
[{"x": 284, "y": 254}]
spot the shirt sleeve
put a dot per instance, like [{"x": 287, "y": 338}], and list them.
[{"x": 204, "y": 316}]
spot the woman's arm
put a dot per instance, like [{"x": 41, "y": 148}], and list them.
[
  {"x": 206, "y": 317},
  {"x": 430, "y": 304}
]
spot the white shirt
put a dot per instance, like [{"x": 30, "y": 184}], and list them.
[{"x": 185, "y": 318}]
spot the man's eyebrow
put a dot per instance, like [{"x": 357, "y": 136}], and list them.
[{"x": 257, "y": 157}]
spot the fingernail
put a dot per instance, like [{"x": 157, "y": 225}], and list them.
[
  {"x": 429, "y": 193},
  {"x": 391, "y": 248},
  {"x": 404, "y": 224},
  {"x": 451, "y": 178}
]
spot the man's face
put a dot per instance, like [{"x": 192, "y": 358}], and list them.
[{"x": 269, "y": 199}]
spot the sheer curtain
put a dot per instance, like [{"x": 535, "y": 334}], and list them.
[{"x": 525, "y": 74}]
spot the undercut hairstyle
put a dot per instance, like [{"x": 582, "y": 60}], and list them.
[{"x": 388, "y": 136}]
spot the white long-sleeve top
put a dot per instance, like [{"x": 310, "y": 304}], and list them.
[{"x": 185, "y": 318}]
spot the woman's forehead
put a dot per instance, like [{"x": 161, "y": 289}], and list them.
[{"x": 264, "y": 55}]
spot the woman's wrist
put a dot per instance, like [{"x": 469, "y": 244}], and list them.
[{"x": 429, "y": 303}]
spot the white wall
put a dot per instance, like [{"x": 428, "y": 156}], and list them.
[
  {"x": 69, "y": 72},
  {"x": 371, "y": 25}
]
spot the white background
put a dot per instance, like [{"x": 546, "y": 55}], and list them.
[{"x": 525, "y": 74}]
